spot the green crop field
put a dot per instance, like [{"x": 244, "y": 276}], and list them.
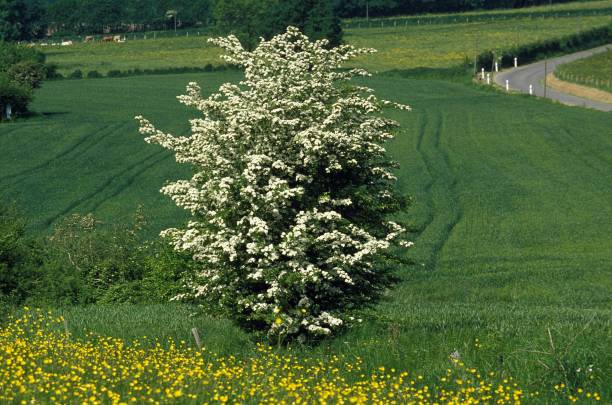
[
  {"x": 511, "y": 222},
  {"x": 446, "y": 45},
  {"x": 401, "y": 47},
  {"x": 85, "y": 138},
  {"x": 192, "y": 51},
  {"x": 595, "y": 71},
  {"x": 512, "y": 263}
]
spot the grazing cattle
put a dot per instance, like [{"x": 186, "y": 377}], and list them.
[
  {"x": 108, "y": 38},
  {"x": 66, "y": 43},
  {"x": 117, "y": 38},
  {"x": 88, "y": 38}
]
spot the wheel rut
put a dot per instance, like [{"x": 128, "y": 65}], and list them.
[{"x": 441, "y": 191}]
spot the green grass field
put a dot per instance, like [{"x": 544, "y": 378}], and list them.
[
  {"x": 511, "y": 221},
  {"x": 402, "y": 47},
  {"x": 142, "y": 54},
  {"x": 447, "y": 45},
  {"x": 595, "y": 71}
]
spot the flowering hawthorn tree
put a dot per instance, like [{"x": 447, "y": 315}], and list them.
[{"x": 291, "y": 191}]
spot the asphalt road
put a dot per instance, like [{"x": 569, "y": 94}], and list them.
[{"x": 521, "y": 77}]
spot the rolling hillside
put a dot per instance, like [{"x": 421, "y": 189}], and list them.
[{"x": 511, "y": 218}]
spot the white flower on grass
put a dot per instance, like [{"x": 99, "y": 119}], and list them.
[{"x": 291, "y": 188}]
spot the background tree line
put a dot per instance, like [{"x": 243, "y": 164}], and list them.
[
  {"x": 385, "y": 8},
  {"x": 22, "y": 20}
]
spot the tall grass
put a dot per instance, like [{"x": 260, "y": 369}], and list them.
[{"x": 595, "y": 71}]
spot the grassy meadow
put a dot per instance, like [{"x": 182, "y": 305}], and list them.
[
  {"x": 595, "y": 71},
  {"x": 510, "y": 223},
  {"x": 192, "y": 51},
  {"x": 402, "y": 47},
  {"x": 512, "y": 263},
  {"x": 447, "y": 45}
]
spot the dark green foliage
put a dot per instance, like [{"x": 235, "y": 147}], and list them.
[
  {"x": 94, "y": 74},
  {"x": 88, "y": 262},
  {"x": 18, "y": 262},
  {"x": 28, "y": 74},
  {"x": 379, "y": 8},
  {"x": 96, "y": 16},
  {"x": 76, "y": 74},
  {"x": 21, "y": 20},
  {"x": 11, "y": 54},
  {"x": 21, "y": 70},
  {"x": 15, "y": 95},
  {"x": 538, "y": 50},
  {"x": 251, "y": 19},
  {"x": 85, "y": 262}
]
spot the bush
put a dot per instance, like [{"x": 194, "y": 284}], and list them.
[
  {"x": 11, "y": 54},
  {"x": 14, "y": 95},
  {"x": 94, "y": 74},
  {"x": 291, "y": 192},
  {"x": 18, "y": 264},
  {"x": 114, "y": 73},
  {"x": 27, "y": 73},
  {"x": 51, "y": 71},
  {"x": 76, "y": 74},
  {"x": 89, "y": 262}
]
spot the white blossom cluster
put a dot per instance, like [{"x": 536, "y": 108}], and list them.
[{"x": 290, "y": 177}]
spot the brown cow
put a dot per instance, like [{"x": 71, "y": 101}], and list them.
[{"x": 109, "y": 38}]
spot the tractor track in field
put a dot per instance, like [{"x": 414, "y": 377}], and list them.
[
  {"x": 442, "y": 181},
  {"x": 130, "y": 180},
  {"x": 430, "y": 181},
  {"x": 83, "y": 141},
  {"x": 88, "y": 197}
]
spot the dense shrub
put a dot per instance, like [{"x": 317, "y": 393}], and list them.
[
  {"x": 76, "y": 74},
  {"x": 292, "y": 190},
  {"x": 114, "y": 73},
  {"x": 94, "y": 74},
  {"x": 51, "y": 71},
  {"x": 11, "y": 54},
  {"x": 21, "y": 70},
  {"x": 18, "y": 258},
  {"x": 14, "y": 95},
  {"x": 90, "y": 262},
  {"x": 28, "y": 73},
  {"x": 85, "y": 261}
]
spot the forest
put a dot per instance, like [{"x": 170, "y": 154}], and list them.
[{"x": 22, "y": 20}]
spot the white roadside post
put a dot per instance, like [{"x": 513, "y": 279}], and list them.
[
  {"x": 507, "y": 85},
  {"x": 488, "y": 78},
  {"x": 482, "y": 74},
  {"x": 515, "y": 62},
  {"x": 496, "y": 67},
  {"x": 531, "y": 89}
]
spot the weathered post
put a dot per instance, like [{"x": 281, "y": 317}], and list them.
[
  {"x": 488, "y": 78},
  {"x": 545, "y": 73},
  {"x": 196, "y": 336},
  {"x": 496, "y": 67},
  {"x": 507, "y": 85},
  {"x": 515, "y": 62},
  {"x": 531, "y": 90}
]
